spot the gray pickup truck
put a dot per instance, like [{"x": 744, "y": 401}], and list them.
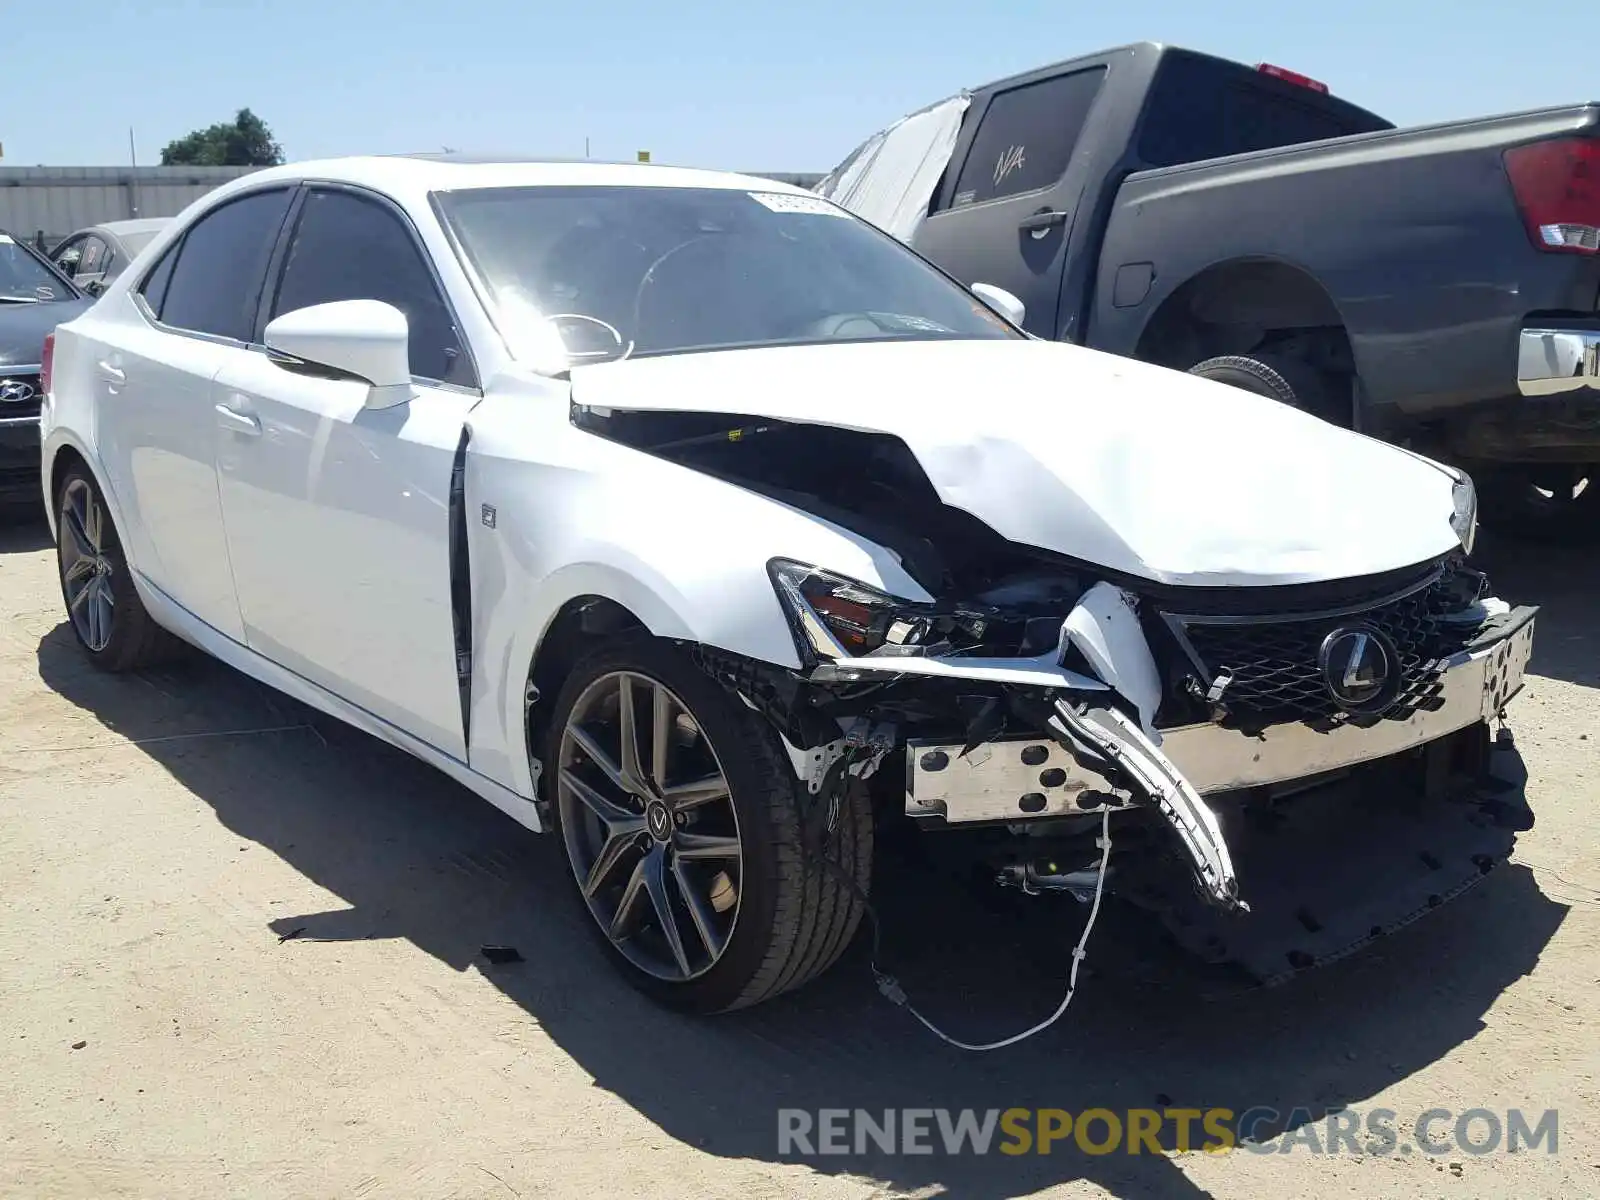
[{"x": 1437, "y": 286}]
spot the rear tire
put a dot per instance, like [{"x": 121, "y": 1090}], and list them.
[
  {"x": 110, "y": 622},
  {"x": 793, "y": 912},
  {"x": 1283, "y": 378},
  {"x": 1557, "y": 504}
]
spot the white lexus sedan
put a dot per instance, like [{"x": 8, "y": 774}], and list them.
[{"x": 692, "y": 518}]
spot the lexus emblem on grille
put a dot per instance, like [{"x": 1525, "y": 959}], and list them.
[
  {"x": 14, "y": 391},
  {"x": 1361, "y": 668}
]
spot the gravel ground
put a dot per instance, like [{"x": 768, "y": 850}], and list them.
[{"x": 241, "y": 948}]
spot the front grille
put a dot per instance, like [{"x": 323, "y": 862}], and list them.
[
  {"x": 1273, "y": 661},
  {"x": 10, "y": 385}
]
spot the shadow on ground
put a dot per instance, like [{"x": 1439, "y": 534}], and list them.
[
  {"x": 1565, "y": 583},
  {"x": 23, "y": 528},
  {"x": 412, "y": 856}
]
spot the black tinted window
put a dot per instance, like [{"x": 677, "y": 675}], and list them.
[
  {"x": 154, "y": 287},
  {"x": 1203, "y": 109},
  {"x": 217, "y": 279},
  {"x": 349, "y": 248},
  {"x": 1026, "y": 137}
]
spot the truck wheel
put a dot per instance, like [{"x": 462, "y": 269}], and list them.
[
  {"x": 697, "y": 855},
  {"x": 1557, "y": 502},
  {"x": 103, "y": 606},
  {"x": 1280, "y": 377}
]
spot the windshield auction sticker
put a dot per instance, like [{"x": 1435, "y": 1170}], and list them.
[{"x": 782, "y": 202}]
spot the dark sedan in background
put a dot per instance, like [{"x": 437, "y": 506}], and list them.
[{"x": 34, "y": 299}]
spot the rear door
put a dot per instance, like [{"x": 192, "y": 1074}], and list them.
[
  {"x": 156, "y": 427},
  {"x": 1008, "y": 215}
]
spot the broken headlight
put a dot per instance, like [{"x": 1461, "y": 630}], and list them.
[
  {"x": 1464, "y": 517},
  {"x": 836, "y": 617}
]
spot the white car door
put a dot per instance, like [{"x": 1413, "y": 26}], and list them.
[
  {"x": 155, "y": 425},
  {"x": 338, "y": 515}
]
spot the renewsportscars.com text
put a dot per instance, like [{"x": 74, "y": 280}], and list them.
[{"x": 806, "y": 1133}]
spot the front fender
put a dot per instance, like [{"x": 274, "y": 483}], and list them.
[{"x": 557, "y": 514}]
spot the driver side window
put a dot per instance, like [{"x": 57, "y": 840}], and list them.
[{"x": 347, "y": 247}]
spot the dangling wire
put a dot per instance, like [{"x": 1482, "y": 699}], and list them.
[{"x": 890, "y": 986}]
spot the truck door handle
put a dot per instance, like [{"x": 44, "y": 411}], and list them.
[
  {"x": 238, "y": 422},
  {"x": 111, "y": 374},
  {"x": 1045, "y": 219}
]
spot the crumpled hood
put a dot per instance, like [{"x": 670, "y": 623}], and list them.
[{"x": 1132, "y": 467}]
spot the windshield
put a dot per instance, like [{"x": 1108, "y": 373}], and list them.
[
  {"x": 619, "y": 271},
  {"x": 24, "y": 278}
]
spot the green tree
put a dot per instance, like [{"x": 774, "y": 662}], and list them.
[{"x": 243, "y": 142}]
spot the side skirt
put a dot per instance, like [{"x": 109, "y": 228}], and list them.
[{"x": 177, "y": 619}]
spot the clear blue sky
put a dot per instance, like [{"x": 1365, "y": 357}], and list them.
[{"x": 748, "y": 86}]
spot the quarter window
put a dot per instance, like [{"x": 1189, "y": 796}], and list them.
[
  {"x": 154, "y": 287},
  {"x": 215, "y": 285},
  {"x": 347, "y": 247},
  {"x": 1026, "y": 137}
]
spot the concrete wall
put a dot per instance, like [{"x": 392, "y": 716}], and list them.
[
  {"x": 48, "y": 203},
  {"x": 55, "y": 201}
]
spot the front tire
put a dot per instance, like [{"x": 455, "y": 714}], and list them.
[
  {"x": 103, "y": 606},
  {"x": 695, "y": 853}
]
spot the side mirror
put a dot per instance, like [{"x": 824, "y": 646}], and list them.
[
  {"x": 93, "y": 287},
  {"x": 1002, "y": 301},
  {"x": 364, "y": 339}
]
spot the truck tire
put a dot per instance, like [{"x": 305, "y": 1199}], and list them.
[
  {"x": 1557, "y": 503},
  {"x": 1283, "y": 378},
  {"x": 762, "y": 894}
]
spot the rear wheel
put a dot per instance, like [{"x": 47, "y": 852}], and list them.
[
  {"x": 103, "y": 607},
  {"x": 698, "y": 858},
  {"x": 1283, "y": 378},
  {"x": 1554, "y": 502}
]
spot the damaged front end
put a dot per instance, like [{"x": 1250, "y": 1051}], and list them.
[{"x": 1319, "y": 760}]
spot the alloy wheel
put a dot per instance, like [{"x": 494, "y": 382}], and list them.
[
  {"x": 649, "y": 824},
  {"x": 86, "y": 567}
]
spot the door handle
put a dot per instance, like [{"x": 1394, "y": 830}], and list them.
[
  {"x": 111, "y": 374},
  {"x": 238, "y": 422},
  {"x": 1045, "y": 219}
]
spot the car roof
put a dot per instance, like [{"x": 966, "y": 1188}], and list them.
[
  {"x": 137, "y": 225},
  {"x": 417, "y": 174}
]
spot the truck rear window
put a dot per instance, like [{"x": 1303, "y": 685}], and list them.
[
  {"x": 1026, "y": 137},
  {"x": 1204, "y": 108}
]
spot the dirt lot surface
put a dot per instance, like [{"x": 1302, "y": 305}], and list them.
[{"x": 241, "y": 958}]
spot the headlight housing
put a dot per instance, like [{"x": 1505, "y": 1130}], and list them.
[
  {"x": 836, "y": 617},
  {"x": 1464, "y": 516}
]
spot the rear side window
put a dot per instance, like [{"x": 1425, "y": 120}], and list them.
[
  {"x": 1027, "y": 137},
  {"x": 154, "y": 287},
  {"x": 1202, "y": 109},
  {"x": 347, "y": 247},
  {"x": 216, "y": 281},
  {"x": 94, "y": 256}
]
